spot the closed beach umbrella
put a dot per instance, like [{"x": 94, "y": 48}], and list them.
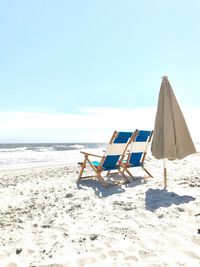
[{"x": 171, "y": 139}]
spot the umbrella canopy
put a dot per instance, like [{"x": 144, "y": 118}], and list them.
[{"x": 171, "y": 137}]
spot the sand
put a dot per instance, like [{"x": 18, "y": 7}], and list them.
[{"x": 47, "y": 219}]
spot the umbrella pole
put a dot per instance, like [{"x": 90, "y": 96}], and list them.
[{"x": 165, "y": 173}]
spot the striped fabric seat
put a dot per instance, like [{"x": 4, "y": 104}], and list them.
[
  {"x": 138, "y": 151},
  {"x": 116, "y": 150},
  {"x": 114, "y": 154}
]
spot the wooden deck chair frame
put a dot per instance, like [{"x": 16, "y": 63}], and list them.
[
  {"x": 126, "y": 165},
  {"x": 99, "y": 169}
]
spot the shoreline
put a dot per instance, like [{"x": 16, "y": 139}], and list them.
[{"x": 36, "y": 167}]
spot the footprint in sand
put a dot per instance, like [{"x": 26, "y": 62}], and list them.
[
  {"x": 155, "y": 265},
  {"x": 3, "y": 254},
  {"x": 85, "y": 261},
  {"x": 196, "y": 240},
  {"x": 191, "y": 254},
  {"x": 102, "y": 257},
  {"x": 144, "y": 254},
  {"x": 131, "y": 258},
  {"x": 112, "y": 253}
]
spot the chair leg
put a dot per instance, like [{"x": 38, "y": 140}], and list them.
[
  {"x": 101, "y": 180},
  {"x": 129, "y": 173},
  {"x": 125, "y": 177},
  {"x": 108, "y": 173},
  {"x": 125, "y": 169},
  {"x": 82, "y": 169},
  {"x": 147, "y": 171},
  {"x": 98, "y": 174}
]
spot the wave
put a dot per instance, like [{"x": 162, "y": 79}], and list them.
[
  {"x": 76, "y": 146},
  {"x": 18, "y": 149},
  {"x": 29, "y": 154},
  {"x": 45, "y": 147}
]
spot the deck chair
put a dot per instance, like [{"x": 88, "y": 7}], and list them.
[
  {"x": 137, "y": 152},
  {"x": 112, "y": 158}
]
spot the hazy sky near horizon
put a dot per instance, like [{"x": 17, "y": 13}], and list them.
[{"x": 73, "y": 61}]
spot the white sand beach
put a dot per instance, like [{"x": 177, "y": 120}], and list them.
[{"x": 48, "y": 220}]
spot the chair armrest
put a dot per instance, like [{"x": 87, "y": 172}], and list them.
[{"x": 90, "y": 154}]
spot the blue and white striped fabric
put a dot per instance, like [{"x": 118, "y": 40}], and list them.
[
  {"x": 138, "y": 147},
  {"x": 115, "y": 150}
]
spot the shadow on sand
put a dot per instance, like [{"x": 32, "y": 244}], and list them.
[
  {"x": 102, "y": 192},
  {"x": 157, "y": 198}
]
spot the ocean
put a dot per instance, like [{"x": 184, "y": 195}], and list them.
[
  {"x": 38, "y": 154},
  {"x": 15, "y": 156}
]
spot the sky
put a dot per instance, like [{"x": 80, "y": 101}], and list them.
[{"x": 75, "y": 71}]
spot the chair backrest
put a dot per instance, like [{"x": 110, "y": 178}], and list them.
[
  {"x": 115, "y": 150},
  {"x": 138, "y": 148}
]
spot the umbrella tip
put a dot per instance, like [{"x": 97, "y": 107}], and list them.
[{"x": 164, "y": 77}]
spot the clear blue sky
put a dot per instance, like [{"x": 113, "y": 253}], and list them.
[{"x": 61, "y": 55}]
